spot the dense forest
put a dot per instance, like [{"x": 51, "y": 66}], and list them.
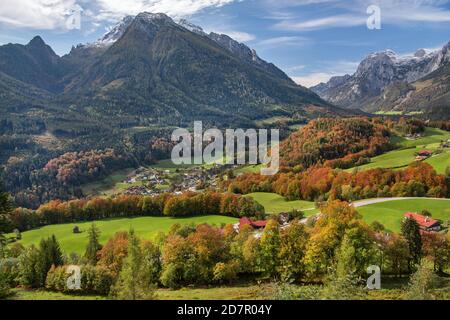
[
  {"x": 322, "y": 183},
  {"x": 343, "y": 143}
]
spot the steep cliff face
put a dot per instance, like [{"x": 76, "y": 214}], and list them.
[{"x": 376, "y": 74}]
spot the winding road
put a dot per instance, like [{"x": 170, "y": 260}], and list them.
[{"x": 363, "y": 203}]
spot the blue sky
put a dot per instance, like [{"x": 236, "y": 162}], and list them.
[{"x": 311, "y": 40}]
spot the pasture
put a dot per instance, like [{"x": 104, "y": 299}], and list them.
[
  {"x": 275, "y": 204},
  {"x": 391, "y": 213},
  {"x": 406, "y": 153},
  {"x": 145, "y": 227}
]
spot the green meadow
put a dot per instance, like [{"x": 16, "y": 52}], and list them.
[
  {"x": 391, "y": 213},
  {"x": 274, "y": 203},
  {"x": 406, "y": 153},
  {"x": 145, "y": 227}
]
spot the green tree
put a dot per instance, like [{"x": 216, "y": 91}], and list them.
[
  {"x": 411, "y": 232},
  {"x": 93, "y": 246},
  {"x": 447, "y": 179},
  {"x": 270, "y": 246},
  {"x": 132, "y": 283},
  {"x": 421, "y": 283},
  {"x": 152, "y": 262},
  {"x": 5, "y": 226},
  {"x": 49, "y": 255},
  {"x": 28, "y": 267},
  {"x": 5, "y": 289},
  {"x": 343, "y": 282}
]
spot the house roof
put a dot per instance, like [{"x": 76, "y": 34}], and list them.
[
  {"x": 423, "y": 221},
  {"x": 248, "y": 222}
]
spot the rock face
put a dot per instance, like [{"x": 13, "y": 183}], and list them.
[
  {"x": 35, "y": 63},
  {"x": 377, "y": 72}
]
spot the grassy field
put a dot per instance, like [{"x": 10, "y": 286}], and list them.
[
  {"x": 408, "y": 148},
  {"x": 108, "y": 186},
  {"x": 392, "y": 289},
  {"x": 22, "y": 294},
  {"x": 145, "y": 227},
  {"x": 249, "y": 292},
  {"x": 390, "y": 213},
  {"x": 274, "y": 203}
]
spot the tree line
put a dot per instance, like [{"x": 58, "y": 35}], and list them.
[
  {"x": 321, "y": 183},
  {"x": 170, "y": 205}
]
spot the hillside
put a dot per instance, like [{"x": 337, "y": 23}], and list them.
[
  {"x": 341, "y": 142},
  {"x": 172, "y": 75},
  {"x": 126, "y": 93}
]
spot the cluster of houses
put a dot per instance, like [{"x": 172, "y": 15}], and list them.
[{"x": 145, "y": 181}]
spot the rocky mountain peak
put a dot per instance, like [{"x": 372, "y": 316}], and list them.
[
  {"x": 378, "y": 71},
  {"x": 36, "y": 42}
]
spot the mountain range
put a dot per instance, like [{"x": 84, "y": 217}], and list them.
[
  {"x": 151, "y": 70},
  {"x": 388, "y": 82}
]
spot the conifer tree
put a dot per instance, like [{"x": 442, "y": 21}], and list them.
[
  {"x": 93, "y": 245},
  {"x": 411, "y": 232},
  {"x": 133, "y": 281}
]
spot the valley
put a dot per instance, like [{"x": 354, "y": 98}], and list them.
[{"x": 87, "y": 178}]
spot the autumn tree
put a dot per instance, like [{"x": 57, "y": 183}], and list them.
[
  {"x": 437, "y": 248},
  {"x": 113, "y": 252},
  {"x": 132, "y": 283},
  {"x": 327, "y": 235},
  {"x": 93, "y": 246},
  {"x": 270, "y": 246},
  {"x": 293, "y": 244}
]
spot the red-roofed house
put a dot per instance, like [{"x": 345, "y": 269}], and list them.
[
  {"x": 425, "y": 153},
  {"x": 254, "y": 224},
  {"x": 426, "y": 223}
]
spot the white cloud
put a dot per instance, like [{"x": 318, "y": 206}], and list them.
[
  {"x": 331, "y": 69},
  {"x": 322, "y": 23},
  {"x": 53, "y": 14},
  {"x": 353, "y": 13},
  {"x": 38, "y": 14},
  {"x": 174, "y": 8},
  {"x": 236, "y": 35},
  {"x": 285, "y": 40},
  {"x": 312, "y": 79}
]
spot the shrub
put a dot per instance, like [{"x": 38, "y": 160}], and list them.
[
  {"x": 57, "y": 279},
  {"x": 96, "y": 280}
]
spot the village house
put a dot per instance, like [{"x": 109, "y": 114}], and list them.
[
  {"x": 423, "y": 155},
  {"x": 258, "y": 225},
  {"x": 426, "y": 224},
  {"x": 446, "y": 144}
]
